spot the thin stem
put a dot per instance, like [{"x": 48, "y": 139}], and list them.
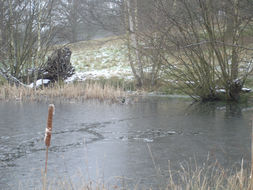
[
  {"x": 45, "y": 174},
  {"x": 251, "y": 180}
]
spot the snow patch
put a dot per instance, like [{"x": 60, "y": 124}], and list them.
[
  {"x": 246, "y": 89},
  {"x": 189, "y": 82},
  {"x": 105, "y": 73},
  {"x": 39, "y": 83},
  {"x": 148, "y": 140},
  {"x": 221, "y": 90}
]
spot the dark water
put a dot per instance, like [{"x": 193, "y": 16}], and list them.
[{"x": 104, "y": 142}]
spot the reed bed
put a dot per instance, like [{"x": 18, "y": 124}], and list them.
[
  {"x": 79, "y": 91},
  {"x": 107, "y": 92}
]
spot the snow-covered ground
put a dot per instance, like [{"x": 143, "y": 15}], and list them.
[{"x": 104, "y": 60}]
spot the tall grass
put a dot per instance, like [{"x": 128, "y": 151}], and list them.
[
  {"x": 107, "y": 92},
  {"x": 208, "y": 176},
  {"x": 78, "y": 91},
  {"x": 188, "y": 177}
]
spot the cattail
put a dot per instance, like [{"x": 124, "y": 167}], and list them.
[
  {"x": 48, "y": 133},
  {"x": 47, "y": 138}
]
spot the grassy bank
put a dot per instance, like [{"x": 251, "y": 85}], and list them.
[{"x": 77, "y": 91}]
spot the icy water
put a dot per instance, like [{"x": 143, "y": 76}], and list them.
[{"x": 112, "y": 142}]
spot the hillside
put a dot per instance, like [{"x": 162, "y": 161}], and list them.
[{"x": 103, "y": 58}]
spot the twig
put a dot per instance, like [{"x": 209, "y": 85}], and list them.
[{"x": 251, "y": 180}]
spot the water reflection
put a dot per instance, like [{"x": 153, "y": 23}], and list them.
[
  {"x": 228, "y": 129},
  {"x": 230, "y": 109}
]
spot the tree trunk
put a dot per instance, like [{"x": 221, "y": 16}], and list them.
[
  {"x": 11, "y": 79},
  {"x": 136, "y": 44},
  {"x": 133, "y": 41},
  {"x": 130, "y": 38},
  {"x": 38, "y": 47},
  {"x": 12, "y": 57},
  {"x": 235, "y": 38},
  {"x": 235, "y": 87}
]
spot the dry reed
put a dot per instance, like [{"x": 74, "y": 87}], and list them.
[
  {"x": 79, "y": 91},
  {"x": 106, "y": 92},
  {"x": 188, "y": 177}
]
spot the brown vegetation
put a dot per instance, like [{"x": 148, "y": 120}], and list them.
[
  {"x": 79, "y": 91},
  {"x": 96, "y": 91},
  {"x": 189, "y": 177}
]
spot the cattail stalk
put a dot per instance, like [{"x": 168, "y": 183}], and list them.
[
  {"x": 47, "y": 138},
  {"x": 49, "y": 125}
]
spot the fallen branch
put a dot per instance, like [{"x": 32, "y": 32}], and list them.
[{"x": 11, "y": 79}]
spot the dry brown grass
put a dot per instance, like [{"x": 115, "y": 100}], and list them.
[
  {"x": 204, "y": 177},
  {"x": 209, "y": 177},
  {"x": 78, "y": 91},
  {"x": 96, "y": 91}
]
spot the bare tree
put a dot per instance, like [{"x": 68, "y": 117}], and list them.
[
  {"x": 24, "y": 24},
  {"x": 133, "y": 41},
  {"x": 82, "y": 19},
  {"x": 67, "y": 19},
  {"x": 140, "y": 41},
  {"x": 198, "y": 52},
  {"x": 104, "y": 14}
]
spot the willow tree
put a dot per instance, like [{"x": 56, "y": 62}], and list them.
[{"x": 201, "y": 56}]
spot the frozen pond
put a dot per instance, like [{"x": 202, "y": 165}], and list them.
[{"x": 99, "y": 141}]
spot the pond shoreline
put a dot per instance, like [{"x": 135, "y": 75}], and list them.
[{"x": 77, "y": 92}]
